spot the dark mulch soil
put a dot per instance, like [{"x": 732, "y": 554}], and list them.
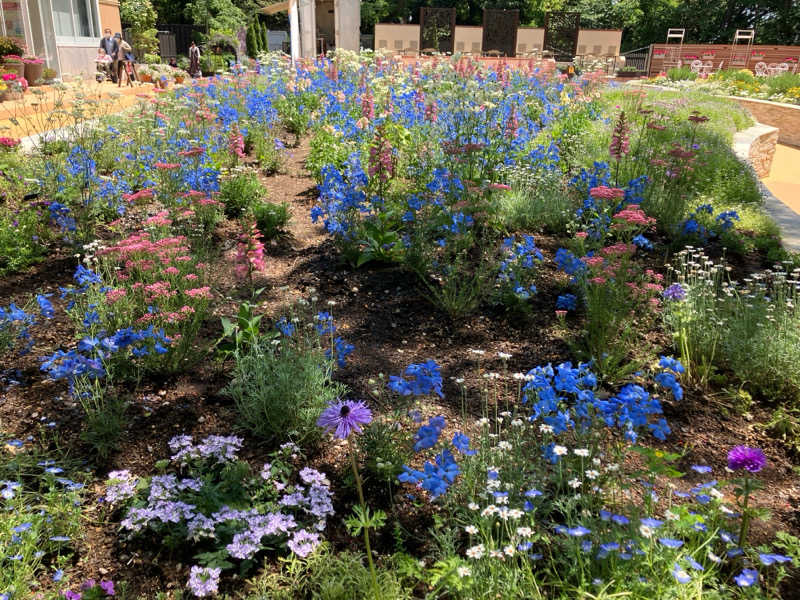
[{"x": 383, "y": 312}]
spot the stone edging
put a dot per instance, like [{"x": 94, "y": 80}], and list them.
[
  {"x": 786, "y": 117},
  {"x": 751, "y": 146}
]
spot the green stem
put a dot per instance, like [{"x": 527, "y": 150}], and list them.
[
  {"x": 745, "y": 516},
  {"x": 366, "y": 529}
]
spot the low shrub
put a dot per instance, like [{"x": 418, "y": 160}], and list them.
[
  {"x": 271, "y": 219},
  {"x": 240, "y": 192}
]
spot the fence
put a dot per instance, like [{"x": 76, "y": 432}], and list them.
[
  {"x": 639, "y": 59},
  {"x": 724, "y": 56},
  {"x": 183, "y": 36}
]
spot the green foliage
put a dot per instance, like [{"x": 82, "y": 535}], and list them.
[
  {"x": 751, "y": 330},
  {"x": 240, "y": 192},
  {"x": 384, "y": 447},
  {"x": 281, "y": 386},
  {"x": 22, "y": 238},
  {"x": 268, "y": 150},
  {"x": 140, "y": 16},
  {"x": 271, "y": 219},
  {"x": 328, "y": 575},
  {"x": 9, "y": 45},
  {"x": 220, "y": 16},
  {"x": 46, "y": 515},
  {"x": 327, "y": 148},
  {"x": 104, "y": 415},
  {"x": 537, "y": 201},
  {"x": 681, "y": 74},
  {"x": 780, "y": 84}
]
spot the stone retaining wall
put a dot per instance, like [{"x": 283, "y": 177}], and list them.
[
  {"x": 786, "y": 117},
  {"x": 756, "y": 145}
]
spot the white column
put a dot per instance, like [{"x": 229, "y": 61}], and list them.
[
  {"x": 294, "y": 30},
  {"x": 347, "y": 22},
  {"x": 308, "y": 27}
]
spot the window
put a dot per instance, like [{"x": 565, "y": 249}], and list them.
[
  {"x": 11, "y": 19},
  {"x": 75, "y": 21}
]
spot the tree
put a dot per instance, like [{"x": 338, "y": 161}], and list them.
[
  {"x": 220, "y": 16},
  {"x": 140, "y": 16}
]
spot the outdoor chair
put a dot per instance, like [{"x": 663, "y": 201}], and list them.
[
  {"x": 761, "y": 69},
  {"x": 782, "y": 68},
  {"x": 708, "y": 67},
  {"x": 696, "y": 66}
]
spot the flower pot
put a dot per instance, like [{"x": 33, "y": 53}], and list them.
[
  {"x": 145, "y": 77},
  {"x": 15, "y": 67},
  {"x": 10, "y": 95},
  {"x": 33, "y": 72},
  {"x": 178, "y": 79}
]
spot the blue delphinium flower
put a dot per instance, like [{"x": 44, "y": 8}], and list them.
[{"x": 567, "y": 302}]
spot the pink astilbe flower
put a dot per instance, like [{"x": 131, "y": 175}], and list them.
[
  {"x": 604, "y": 192},
  {"x": 633, "y": 215}
]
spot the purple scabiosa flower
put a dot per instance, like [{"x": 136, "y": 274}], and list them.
[
  {"x": 204, "y": 581},
  {"x": 342, "y": 417},
  {"x": 743, "y": 457},
  {"x": 107, "y": 587},
  {"x": 746, "y": 578},
  {"x": 675, "y": 292}
]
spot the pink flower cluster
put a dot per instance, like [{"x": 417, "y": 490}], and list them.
[
  {"x": 633, "y": 215},
  {"x": 249, "y": 252},
  {"x": 603, "y": 192}
]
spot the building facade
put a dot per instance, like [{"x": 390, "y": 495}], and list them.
[{"x": 65, "y": 33}]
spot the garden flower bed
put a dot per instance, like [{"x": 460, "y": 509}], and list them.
[{"x": 357, "y": 330}]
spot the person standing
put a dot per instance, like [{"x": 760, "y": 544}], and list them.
[
  {"x": 194, "y": 60},
  {"x": 111, "y": 47}
]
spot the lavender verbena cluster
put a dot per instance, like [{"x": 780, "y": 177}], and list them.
[
  {"x": 220, "y": 447},
  {"x": 121, "y": 486},
  {"x": 170, "y": 505},
  {"x": 204, "y": 581}
]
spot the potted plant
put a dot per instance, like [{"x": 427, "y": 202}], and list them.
[
  {"x": 709, "y": 54},
  {"x": 145, "y": 73},
  {"x": 659, "y": 53},
  {"x": 179, "y": 75},
  {"x": 758, "y": 55},
  {"x": 12, "y": 63},
  {"x": 161, "y": 82},
  {"x": 627, "y": 71},
  {"x": 13, "y": 86},
  {"x": 34, "y": 68},
  {"x": 49, "y": 75}
]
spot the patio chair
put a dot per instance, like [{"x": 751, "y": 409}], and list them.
[
  {"x": 696, "y": 66},
  {"x": 782, "y": 68},
  {"x": 708, "y": 67},
  {"x": 761, "y": 69}
]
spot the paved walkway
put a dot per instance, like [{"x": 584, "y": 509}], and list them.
[
  {"x": 784, "y": 179},
  {"x": 44, "y": 108},
  {"x": 784, "y": 185}
]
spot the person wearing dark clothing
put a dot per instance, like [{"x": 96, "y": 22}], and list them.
[
  {"x": 194, "y": 60},
  {"x": 111, "y": 46}
]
